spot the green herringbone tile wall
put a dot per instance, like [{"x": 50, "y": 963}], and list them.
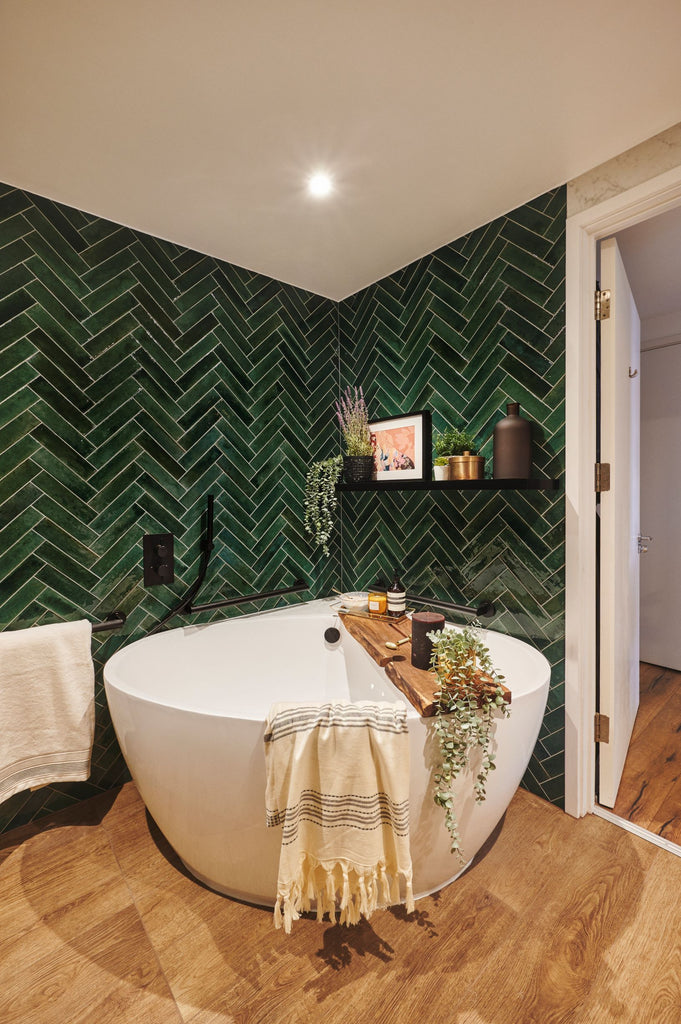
[
  {"x": 136, "y": 377},
  {"x": 461, "y": 332}
]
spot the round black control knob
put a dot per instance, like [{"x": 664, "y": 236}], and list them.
[
  {"x": 161, "y": 550},
  {"x": 332, "y": 635}
]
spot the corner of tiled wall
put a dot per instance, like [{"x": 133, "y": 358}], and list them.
[{"x": 461, "y": 332}]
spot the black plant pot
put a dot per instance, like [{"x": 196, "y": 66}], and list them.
[{"x": 357, "y": 468}]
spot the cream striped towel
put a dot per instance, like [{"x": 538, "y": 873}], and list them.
[{"x": 338, "y": 782}]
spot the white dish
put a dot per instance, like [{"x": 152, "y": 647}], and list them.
[{"x": 356, "y": 599}]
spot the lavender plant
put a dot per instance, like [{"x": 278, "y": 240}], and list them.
[{"x": 354, "y": 422}]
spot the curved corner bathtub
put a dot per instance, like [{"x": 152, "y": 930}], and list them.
[{"x": 189, "y": 705}]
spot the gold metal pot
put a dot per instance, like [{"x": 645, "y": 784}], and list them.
[{"x": 466, "y": 467}]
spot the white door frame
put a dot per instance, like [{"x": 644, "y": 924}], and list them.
[{"x": 584, "y": 231}]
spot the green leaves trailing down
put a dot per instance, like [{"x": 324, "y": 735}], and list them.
[
  {"x": 465, "y": 712},
  {"x": 321, "y": 500}
]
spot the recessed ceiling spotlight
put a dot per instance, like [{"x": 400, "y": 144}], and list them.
[{"x": 320, "y": 184}]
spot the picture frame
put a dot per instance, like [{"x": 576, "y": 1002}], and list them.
[{"x": 402, "y": 447}]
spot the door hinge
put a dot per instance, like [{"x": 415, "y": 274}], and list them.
[
  {"x": 601, "y": 728},
  {"x": 602, "y": 304},
  {"x": 602, "y": 477}
]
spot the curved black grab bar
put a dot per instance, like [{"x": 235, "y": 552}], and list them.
[
  {"x": 484, "y": 610},
  {"x": 185, "y": 606}
]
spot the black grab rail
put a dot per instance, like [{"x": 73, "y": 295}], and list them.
[
  {"x": 484, "y": 610},
  {"x": 297, "y": 587},
  {"x": 186, "y": 606}
]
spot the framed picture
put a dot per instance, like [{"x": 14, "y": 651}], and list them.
[{"x": 402, "y": 448}]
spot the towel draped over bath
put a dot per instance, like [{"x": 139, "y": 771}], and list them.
[
  {"x": 47, "y": 712},
  {"x": 338, "y": 783}
]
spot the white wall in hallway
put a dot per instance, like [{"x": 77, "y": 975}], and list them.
[{"x": 661, "y": 505}]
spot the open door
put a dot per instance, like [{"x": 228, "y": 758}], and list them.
[{"x": 619, "y": 521}]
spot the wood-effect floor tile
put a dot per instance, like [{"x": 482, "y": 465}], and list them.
[
  {"x": 650, "y": 789},
  {"x": 558, "y": 921}
]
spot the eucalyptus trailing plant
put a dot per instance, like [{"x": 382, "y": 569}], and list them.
[
  {"x": 353, "y": 418},
  {"x": 467, "y": 700},
  {"x": 321, "y": 500}
]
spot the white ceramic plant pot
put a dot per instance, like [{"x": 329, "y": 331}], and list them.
[{"x": 441, "y": 472}]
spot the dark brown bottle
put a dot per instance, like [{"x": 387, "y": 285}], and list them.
[
  {"x": 512, "y": 446},
  {"x": 396, "y": 597}
]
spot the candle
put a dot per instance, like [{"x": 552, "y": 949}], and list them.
[{"x": 421, "y": 646}]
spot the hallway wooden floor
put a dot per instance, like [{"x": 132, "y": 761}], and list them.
[
  {"x": 559, "y": 921},
  {"x": 650, "y": 790}
]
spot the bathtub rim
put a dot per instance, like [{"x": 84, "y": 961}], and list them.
[{"x": 317, "y": 607}]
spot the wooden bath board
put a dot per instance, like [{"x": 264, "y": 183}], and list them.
[{"x": 417, "y": 685}]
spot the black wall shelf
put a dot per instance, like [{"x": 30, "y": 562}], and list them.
[{"x": 454, "y": 485}]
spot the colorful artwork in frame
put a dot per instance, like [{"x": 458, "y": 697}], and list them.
[{"x": 401, "y": 447}]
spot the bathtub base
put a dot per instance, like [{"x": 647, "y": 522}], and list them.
[{"x": 190, "y": 719}]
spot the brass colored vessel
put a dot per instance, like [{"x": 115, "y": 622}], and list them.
[{"x": 466, "y": 467}]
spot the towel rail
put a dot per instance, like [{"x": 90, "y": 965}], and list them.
[{"x": 114, "y": 620}]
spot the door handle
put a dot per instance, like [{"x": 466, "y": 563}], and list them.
[{"x": 641, "y": 546}]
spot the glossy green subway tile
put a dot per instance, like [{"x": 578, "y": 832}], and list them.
[
  {"x": 12, "y": 228},
  {"x": 12, "y": 201},
  {"x": 14, "y": 304}
]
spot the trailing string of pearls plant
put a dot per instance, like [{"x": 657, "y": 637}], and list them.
[
  {"x": 321, "y": 500},
  {"x": 468, "y": 698}
]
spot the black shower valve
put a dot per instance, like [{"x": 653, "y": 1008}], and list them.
[{"x": 159, "y": 560}]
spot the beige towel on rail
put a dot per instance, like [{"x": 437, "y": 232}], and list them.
[
  {"x": 338, "y": 782},
  {"x": 47, "y": 709}
]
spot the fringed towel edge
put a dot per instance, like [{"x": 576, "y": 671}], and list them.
[{"x": 362, "y": 890}]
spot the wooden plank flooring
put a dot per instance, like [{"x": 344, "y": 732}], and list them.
[
  {"x": 559, "y": 921},
  {"x": 650, "y": 791}
]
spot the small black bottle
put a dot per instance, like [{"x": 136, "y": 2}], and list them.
[{"x": 397, "y": 597}]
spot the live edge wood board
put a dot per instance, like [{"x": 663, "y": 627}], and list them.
[{"x": 417, "y": 685}]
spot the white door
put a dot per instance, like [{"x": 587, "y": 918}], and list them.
[
  {"x": 619, "y": 512},
  {"x": 660, "y": 503}
]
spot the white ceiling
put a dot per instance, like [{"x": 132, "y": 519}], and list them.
[{"x": 200, "y": 121}]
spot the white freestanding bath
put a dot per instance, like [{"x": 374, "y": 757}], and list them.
[{"x": 189, "y": 705}]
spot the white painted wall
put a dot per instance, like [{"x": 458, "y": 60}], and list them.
[{"x": 661, "y": 505}]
